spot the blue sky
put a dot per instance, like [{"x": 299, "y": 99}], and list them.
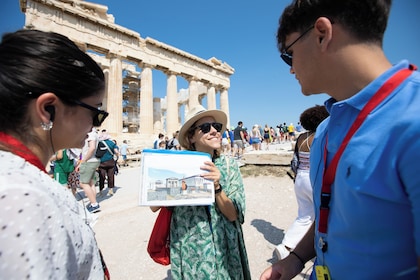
[{"x": 242, "y": 34}]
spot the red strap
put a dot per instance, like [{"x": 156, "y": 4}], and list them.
[
  {"x": 330, "y": 171},
  {"x": 21, "y": 150}
]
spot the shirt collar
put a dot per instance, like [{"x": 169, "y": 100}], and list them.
[{"x": 359, "y": 100}]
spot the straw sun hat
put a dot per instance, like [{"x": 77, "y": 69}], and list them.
[{"x": 194, "y": 115}]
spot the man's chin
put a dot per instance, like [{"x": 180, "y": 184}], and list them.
[{"x": 309, "y": 93}]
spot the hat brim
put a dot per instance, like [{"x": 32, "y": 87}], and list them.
[{"x": 219, "y": 116}]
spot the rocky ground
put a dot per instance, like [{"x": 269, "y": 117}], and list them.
[{"x": 251, "y": 170}]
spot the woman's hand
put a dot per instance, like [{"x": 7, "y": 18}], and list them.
[
  {"x": 223, "y": 202},
  {"x": 213, "y": 173},
  {"x": 155, "y": 208}
]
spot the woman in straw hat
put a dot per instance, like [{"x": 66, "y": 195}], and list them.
[{"x": 207, "y": 241}]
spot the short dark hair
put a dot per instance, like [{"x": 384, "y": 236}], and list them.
[
  {"x": 365, "y": 19},
  {"x": 240, "y": 123},
  {"x": 313, "y": 116}
]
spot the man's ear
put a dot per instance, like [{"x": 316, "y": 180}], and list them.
[{"x": 323, "y": 30}]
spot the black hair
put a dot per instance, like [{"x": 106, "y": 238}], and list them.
[
  {"x": 33, "y": 62},
  {"x": 313, "y": 116},
  {"x": 365, "y": 19}
]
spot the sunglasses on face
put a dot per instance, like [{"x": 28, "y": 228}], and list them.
[
  {"x": 205, "y": 127},
  {"x": 287, "y": 57},
  {"x": 99, "y": 116}
]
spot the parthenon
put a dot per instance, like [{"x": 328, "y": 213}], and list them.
[{"x": 127, "y": 61}]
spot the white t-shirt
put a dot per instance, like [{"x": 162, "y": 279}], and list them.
[
  {"x": 43, "y": 234},
  {"x": 173, "y": 143},
  {"x": 92, "y": 136}
]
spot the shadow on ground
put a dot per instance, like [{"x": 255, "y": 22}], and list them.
[
  {"x": 271, "y": 233},
  {"x": 275, "y": 235}
]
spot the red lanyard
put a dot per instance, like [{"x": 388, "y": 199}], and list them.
[
  {"x": 21, "y": 150},
  {"x": 329, "y": 172}
]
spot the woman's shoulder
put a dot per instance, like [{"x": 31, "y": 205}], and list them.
[{"x": 226, "y": 161}]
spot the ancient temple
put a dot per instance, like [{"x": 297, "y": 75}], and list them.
[{"x": 127, "y": 60}]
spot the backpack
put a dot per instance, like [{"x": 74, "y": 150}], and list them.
[
  {"x": 171, "y": 144},
  {"x": 100, "y": 149}
]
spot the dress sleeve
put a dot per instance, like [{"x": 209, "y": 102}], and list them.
[{"x": 233, "y": 184}]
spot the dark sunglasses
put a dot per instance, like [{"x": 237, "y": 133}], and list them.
[
  {"x": 99, "y": 116},
  {"x": 287, "y": 57},
  {"x": 205, "y": 127}
]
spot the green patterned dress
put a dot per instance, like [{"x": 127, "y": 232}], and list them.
[{"x": 206, "y": 245}]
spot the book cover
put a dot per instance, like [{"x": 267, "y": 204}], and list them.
[{"x": 172, "y": 178}]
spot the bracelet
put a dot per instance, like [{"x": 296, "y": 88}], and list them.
[
  {"x": 297, "y": 256},
  {"x": 218, "y": 190}
]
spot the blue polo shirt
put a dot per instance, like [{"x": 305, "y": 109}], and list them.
[{"x": 374, "y": 220}]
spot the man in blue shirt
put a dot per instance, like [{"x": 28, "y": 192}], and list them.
[
  {"x": 367, "y": 225},
  {"x": 157, "y": 141},
  {"x": 123, "y": 151}
]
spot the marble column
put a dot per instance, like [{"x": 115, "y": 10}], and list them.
[
  {"x": 157, "y": 116},
  {"x": 172, "y": 123},
  {"x": 200, "y": 99},
  {"x": 114, "y": 123},
  {"x": 193, "y": 90},
  {"x": 224, "y": 103},
  {"x": 186, "y": 110},
  {"x": 146, "y": 100},
  {"x": 211, "y": 98}
]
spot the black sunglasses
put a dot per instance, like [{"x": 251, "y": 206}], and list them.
[
  {"x": 99, "y": 116},
  {"x": 288, "y": 58},
  {"x": 205, "y": 127}
]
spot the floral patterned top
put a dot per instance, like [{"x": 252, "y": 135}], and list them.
[{"x": 204, "y": 243}]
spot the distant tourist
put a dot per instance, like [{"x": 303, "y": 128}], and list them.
[
  {"x": 310, "y": 119},
  {"x": 158, "y": 140},
  {"x": 239, "y": 140},
  {"x": 256, "y": 138},
  {"x": 124, "y": 151},
  {"x": 173, "y": 144}
]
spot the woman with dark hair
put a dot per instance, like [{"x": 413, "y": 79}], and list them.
[
  {"x": 206, "y": 242},
  {"x": 50, "y": 95},
  {"x": 310, "y": 119}
]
